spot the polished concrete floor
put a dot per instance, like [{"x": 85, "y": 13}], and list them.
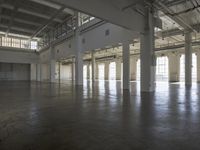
[{"x": 42, "y": 116}]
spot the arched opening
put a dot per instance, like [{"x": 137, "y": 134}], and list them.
[
  {"x": 138, "y": 70},
  {"x": 112, "y": 71},
  {"x": 162, "y": 69},
  {"x": 101, "y": 70},
  {"x": 85, "y": 72},
  {"x": 182, "y": 68},
  {"x": 194, "y": 67}
]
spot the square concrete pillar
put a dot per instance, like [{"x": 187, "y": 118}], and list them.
[
  {"x": 174, "y": 67},
  {"x": 106, "y": 71},
  {"x": 147, "y": 55},
  {"x": 188, "y": 58},
  {"x": 126, "y": 65},
  {"x": 133, "y": 65},
  {"x": 52, "y": 70},
  {"x": 118, "y": 68},
  {"x": 93, "y": 66}
]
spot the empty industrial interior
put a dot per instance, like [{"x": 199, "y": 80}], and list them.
[{"x": 99, "y": 75}]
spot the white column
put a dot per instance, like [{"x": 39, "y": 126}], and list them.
[
  {"x": 59, "y": 67},
  {"x": 73, "y": 69},
  {"x": 97, "y": 72},
  {"x": 126, "y": 65},
  {"x": 33, "y": 72},
  {"x": 188, "y": 58},
  {"x": 133, "y": 64},
  {"x": 52, "y": 64},
  {"x": 52, "y": 70},
  {"x": 198, "y": 66},
  {"x": 147, "y": 55},
  {"x": 88, "y": 71},
  {"x": 38, "y": 72},
  {"x": 93, "y": 66},
  {"x": 174, "y": 67},
  {"x": 41, "y": 79},
  {"x": 106, "y": 71},
  {"x": 118, "y": 68},
  {"x": 78, "y": 56}
]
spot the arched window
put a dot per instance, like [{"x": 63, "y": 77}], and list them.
[
  {"x": 162, "y": 68},
  {"x": 85, "y": 72},
  {"x": 138, "y": 70},
  {"x": 194, "y": 67},
  {"x": 112, "y": 71},
  {"x": 182, "y": 68},
  {"x": 101, "y": 69}
]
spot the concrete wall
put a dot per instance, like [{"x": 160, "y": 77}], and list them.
[
  {"x": 65, "y": 72},
  {"x": 11, "y": 55},
  {"x": 198, "y": 66},
  {"x": 174, "y": 66},
  {"x": 14, "y": 71},
  {"x": 45, "y": 72},
  {"x": 93, "y": 39},
  {"x": 33, "y": 72}
]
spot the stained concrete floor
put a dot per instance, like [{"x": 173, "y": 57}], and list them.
[{"x": 43, "y": 116}]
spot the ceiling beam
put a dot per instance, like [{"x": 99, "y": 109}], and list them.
[
  {"x": 53, "y": 5},
  {"x": 40, "y": 29},
  {"x": 167, "y": 11},
  {"x": 31, "y": 13},
  {"x": 194, "y": 43},
  {"x": 38, "y": 15},
  {"x": 13, "y": 14},
  {"x": 17, "y": 28},
  {"x": 1, "y": 2},
  {"x": 28, "y": 22},
  {"x": 176, "y": 31},
  {"x": 108, "y": 10}
]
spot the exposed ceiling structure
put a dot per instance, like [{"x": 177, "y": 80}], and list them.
[
  {"x": 34, "y": 18},
  {"x": 30, "y": 17}
]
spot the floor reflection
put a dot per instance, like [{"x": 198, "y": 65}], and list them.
[{"x": 98, "y": 115}]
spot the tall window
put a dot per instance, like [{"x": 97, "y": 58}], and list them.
[
  {"x": 112, "y": 71},
  {"x": 138, "y": 70},
  {"x": 16, "y": 43},
  {"x": 34, "y": 45},
  {"x": 101, "y": 71},
  {"x": 194, "y": 67},
  {"x": 90, "y": 71},
  {"x": 182, "y": 68},
  {"x": 162, "y": 69},
  {"x": 6, "y": 41},
  {"x": 24, "y": 44},
  {"x": 85, "y": 72},
  {"x": 121, "y": 71}
]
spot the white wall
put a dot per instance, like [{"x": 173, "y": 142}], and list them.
[
  {"x": 94, "y": 39},
  {"x": 45, "y": 72},
  {"x": 17, "y": 56},
  {"x": 14, "y": 71},
  {"x": 65, "y": 72},
  {"x": 33, "y": 72}
]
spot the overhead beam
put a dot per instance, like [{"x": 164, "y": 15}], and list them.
[
  {"x": 28, "y": 22},
  {"x": 105, "y": 10},
  {"x": 13, "y": 14},
  {"x": 167, "y": 11},
  {"x": 176, "y": 31},
  {"x": 30, "y": 12},
  {"x": 38, "y": 15},
  {"x": 17, "y": 28},
  {"x": 39, "y": 30},
  {"x": 194, "y": 43},
  {"x": 53, "y": 5},
  {"x": 1, "y": 2}
]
